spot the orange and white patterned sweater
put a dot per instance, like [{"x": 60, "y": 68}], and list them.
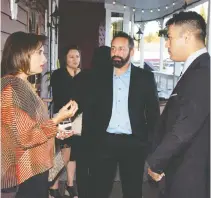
[{"x": 27, "y": 133}]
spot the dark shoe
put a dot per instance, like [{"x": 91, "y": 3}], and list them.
[
  {"x": 55, "y": 193},
  {"x": 71, "y": 190}
]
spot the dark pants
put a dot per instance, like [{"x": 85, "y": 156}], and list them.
[
  {"x": 126, "y": 151},
  {"x": 83, "y": 179},
  {"x": 34, "y": 187},
  {"x": 83, "y": 171}
]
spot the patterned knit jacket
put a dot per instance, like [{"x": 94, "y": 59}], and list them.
[{"x": 27, "y": 134}]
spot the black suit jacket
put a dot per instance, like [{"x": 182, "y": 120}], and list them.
[
  {"x": 143, "y": 105},
  {"x": 183, "y": 134}
]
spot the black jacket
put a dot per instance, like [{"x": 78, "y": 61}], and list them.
[
  {"x": 62, "y": 84},
  {"x": 143, "y": 105},
  {"x": 182, "y": 136}
]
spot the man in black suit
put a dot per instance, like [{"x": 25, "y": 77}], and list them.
[
  {"x": 125, "y": 109},
  {"x": 182, "y": 139}
]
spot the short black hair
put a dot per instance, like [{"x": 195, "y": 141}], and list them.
[
  {"x": 125, "y": 35},
  {"x": 193, "y": 19}
]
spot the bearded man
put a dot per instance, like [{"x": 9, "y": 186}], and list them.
[{"x": 125, "y": 109}]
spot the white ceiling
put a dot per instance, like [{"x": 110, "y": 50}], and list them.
[{"x": 148, "y": 10}]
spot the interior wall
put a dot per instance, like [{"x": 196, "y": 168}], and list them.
[{"x": 79, "y": 25}]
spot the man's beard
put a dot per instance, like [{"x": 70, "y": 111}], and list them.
[{"x": 120, "y": 63}]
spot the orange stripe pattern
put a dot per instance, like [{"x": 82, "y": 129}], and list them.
[{"x": 27, "y": 133}]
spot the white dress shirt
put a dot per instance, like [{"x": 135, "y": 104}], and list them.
[{"x": 191, "y": 58}]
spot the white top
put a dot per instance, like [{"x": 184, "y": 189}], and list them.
[{"x": 191, "y": 58}]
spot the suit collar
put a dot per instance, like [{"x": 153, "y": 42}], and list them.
[
  {"x": 192, "y": 57},
  {"x": 196, "y": 61},
  {"x": 132, "y": 86},
  {"x": 191, "y": 67}
]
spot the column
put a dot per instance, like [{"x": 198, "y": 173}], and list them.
[
  {"x": 142, "y": 25},
  {"x": 49, "y": 33},
  {"x": 56, "y": 42},
  {"x": 132, "y": 24},
  {"x": 53, "y": 50},
  {"x": 162, "y": 44},
  {"x": 53, "y": 41},
  {"x": 126, "y": 22},
  {"x": 44, "y": 83},
  {"x": 46, "y": 22},
  {"x": 209, "y": 27},
  {"x": 132, "y": 28},
  {"x": 108, "y": 27}
]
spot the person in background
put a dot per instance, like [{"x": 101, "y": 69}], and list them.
[
  {"x": 62, "y": 82},
  {"x": 27, "y": 134},
  {"x": 182, "y": 138},
  {"x": 101, "y": 59},
  {"x": 84, "y": 83},
  {"x": 124, "y": 111}
]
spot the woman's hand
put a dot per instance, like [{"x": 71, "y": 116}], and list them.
[
  {"x": 64, "y": 134},
  {"x": 65, "y": 112}
]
